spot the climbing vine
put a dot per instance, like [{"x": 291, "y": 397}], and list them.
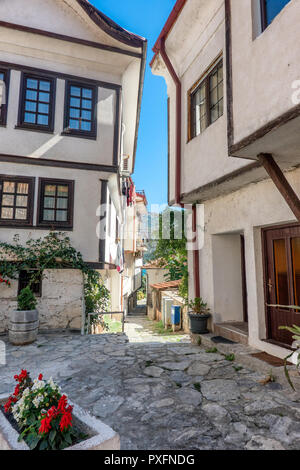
[{"x": 54, "y": 251}]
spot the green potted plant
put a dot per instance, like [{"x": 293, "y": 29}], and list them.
[
  {"x": 24, "y": 322},
  {"x": 198, "y": 316}
]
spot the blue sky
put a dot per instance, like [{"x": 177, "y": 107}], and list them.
[{"x": 147, "y": 18}]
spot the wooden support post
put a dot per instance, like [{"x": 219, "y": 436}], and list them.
[{"x": 281, "y": 183}]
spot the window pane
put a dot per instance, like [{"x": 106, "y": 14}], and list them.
[
  {"x": 86, "y": 115},
  {"x": 49, "y": 202},
  {"x": 221, "y": 105},
  {"x": 21, "y": 214},
  {"x": 1, "y": 76},
  {"x": 273, "y": 8},
  {"x": 44, "y": 97},
  {"x": 30, "y": 118},
  {"x": 86, "y": 126},
  {"x": 7, "y": 213},
  {"x": 62, "y": 203},
  {"x": 30, "y": 106},
  {"x": 32, "y": 83},
  {"x": 296, "y": 268},
  {"x": 214, "y": 113},
  {"x": 8, "y": 187},
  {"x": 281, "y": 273},
  {"x": 62, "y": 190},
  {"x": 86, "y": 93},
  {"x": 86, "y": 104},
  {"x": 48, "y": 215},
  {"x": 21, "y": 201},
  {"x": 44, "y": 86},
  {"x": 75, "y": 102},
  {"x": 43, "y": 108},
  {"x": 75, "y": 91},
  {"x": 43, "y": 120},
  {"x": 50, "y": 190},
  {"x": 61, "y": 216},
  {"x": 73, "y": 124},
  {"x": 22, "y": 188},
  {"x": 31, "y": 95},
  {"x": 214, "y": 80},
  {"x": 213, "y": 97},
  {"x": 74, "y": 113},
  {"x": 8, "y": 200}
]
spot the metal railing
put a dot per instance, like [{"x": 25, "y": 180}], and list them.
[{"x": 100, "y": 315}]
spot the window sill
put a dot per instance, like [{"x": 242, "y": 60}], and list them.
[
  {"x": 34, "y": 129},
  {"x": 54, "y": 227},
  {"x": 15, "y": 225},
  {"x": 81, "y": 136}
]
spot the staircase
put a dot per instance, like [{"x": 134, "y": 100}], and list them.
[{"x": 139, "y": 310}]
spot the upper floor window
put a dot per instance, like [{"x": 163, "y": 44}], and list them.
[
  {"x": 56, "y": 203},
  {"x": 206, "y": 101},
  {"x": 80, "y": 110},
  {"x": 4, "y": 75},
  {"x": 270, "y": 9},
  {"x": 16, "y": 200},
  {"x": 37, "y": 103}
]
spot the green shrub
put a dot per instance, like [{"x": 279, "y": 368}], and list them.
[{"x": 26, "y": 299}]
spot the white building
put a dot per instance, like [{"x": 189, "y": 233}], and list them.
[
  {"x": 232, "y": 72},
  {"x": 69, "y": 126}
]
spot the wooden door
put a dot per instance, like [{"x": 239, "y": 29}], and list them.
[{"x": 282, "y": 281}]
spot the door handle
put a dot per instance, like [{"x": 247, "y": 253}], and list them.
[{"x": 270, "y": 286}]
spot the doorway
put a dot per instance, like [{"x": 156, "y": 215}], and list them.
[{"x": 282, "y": 281}]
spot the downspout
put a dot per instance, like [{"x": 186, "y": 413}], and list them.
[
  {"x": 196, "y": 255},
  {"x": 163, "y": 53}
]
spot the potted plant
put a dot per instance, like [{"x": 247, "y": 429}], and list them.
[
  {"x": 38, "y": 416},
  {"x": 24, "y": 322},
  {"x": 198, "y": 316},
  {"x": 294, "y": 356}
]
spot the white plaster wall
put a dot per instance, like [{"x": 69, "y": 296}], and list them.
[
  {"x": 55, "y": 146},
  {"x": 87, "y": 192},
  {"x": 264, "y": 68},
  {"x": 247, "y": 210}
]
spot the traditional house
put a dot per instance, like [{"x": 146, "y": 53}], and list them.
[
  {"x": 232, "y": 73},
  {"x": 73, "y": 82}
]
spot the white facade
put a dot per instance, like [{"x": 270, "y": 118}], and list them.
[
  {"x": 70, "y": 44},
  {"x": 259, "y": 67}
]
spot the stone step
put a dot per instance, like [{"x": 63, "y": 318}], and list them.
[{"x": 236, "y": 332}]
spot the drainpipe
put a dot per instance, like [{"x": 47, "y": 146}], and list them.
[
  {"x": 163, "y": 53},
  {"x": 196, "y": 255}
]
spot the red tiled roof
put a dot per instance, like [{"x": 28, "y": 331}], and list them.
[{"x": 166, "y": 285}]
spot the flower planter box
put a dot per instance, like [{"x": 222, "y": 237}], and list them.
[{"x": 101, "y": 436}]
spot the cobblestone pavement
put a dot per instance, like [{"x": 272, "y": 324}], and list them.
[{"x": 162, "y": 392}]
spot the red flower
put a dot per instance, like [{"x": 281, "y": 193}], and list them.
[
  {"x": 40, "y": 377},
  {"x": 65, "y": 421},
  {"x": 62, "y": 403},
  {"x": 7, "y": 406},
  {"x": 45, "y": 425},
  {"x": 17, "y": 390}
]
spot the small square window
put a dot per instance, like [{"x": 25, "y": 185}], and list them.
[
  {"x": 16, "y": 200},
  {"x": 37, "y": 105},
  {"x": 56, "y": 203},
  {"x": 206, "y": 101},
  {"x": 270, "y": 9},
  {"x": 32, "y": 279},
  {"x": 80, "y": 110}
]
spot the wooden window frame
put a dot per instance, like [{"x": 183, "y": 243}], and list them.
[
  {"x": 4, "y": 107},
  {"x": 36, "y": 127},
  {"x": 264, "y": 15},
  {"x": 52, "y": 225},
  {"x": 38, "y": 291},
  {"x": 31, "y": 186},
  {"x": 92, "y": 134},
  {"x": 204, "y": 79}
]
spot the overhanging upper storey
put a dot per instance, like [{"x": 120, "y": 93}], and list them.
[{"x": 263, "y": 79}]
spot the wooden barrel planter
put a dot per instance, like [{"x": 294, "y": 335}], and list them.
[{"x": 23, "y": 327}]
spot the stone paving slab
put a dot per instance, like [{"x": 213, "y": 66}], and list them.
[{"x": 162, "y": 392}]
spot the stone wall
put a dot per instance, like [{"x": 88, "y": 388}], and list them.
[{"x": 59, "y": 307}]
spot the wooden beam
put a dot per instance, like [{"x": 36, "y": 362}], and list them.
[{"x": 281, "y": 183}]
